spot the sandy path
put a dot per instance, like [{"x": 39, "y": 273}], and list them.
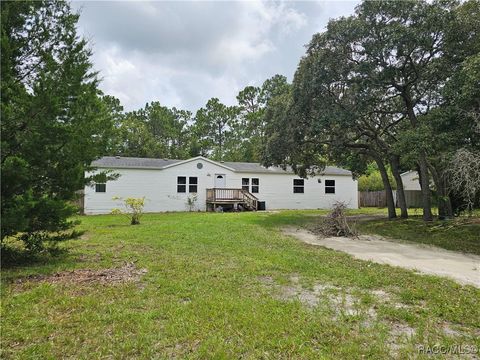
[{"x": 463, "y": 268}]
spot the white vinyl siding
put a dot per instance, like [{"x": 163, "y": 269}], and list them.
[{"x": 160, "y": 188}]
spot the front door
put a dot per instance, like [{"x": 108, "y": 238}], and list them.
[{"x": 220, "y": 181}]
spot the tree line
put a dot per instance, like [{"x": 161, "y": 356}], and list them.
[
  {"x": 397, "y": 84},
  {"x": 217, "y": 131}
]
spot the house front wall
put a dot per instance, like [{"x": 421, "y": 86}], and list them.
[{"x": 159, "y": 187}]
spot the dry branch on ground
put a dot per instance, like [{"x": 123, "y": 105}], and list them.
[{"x": 335, "y": 223}]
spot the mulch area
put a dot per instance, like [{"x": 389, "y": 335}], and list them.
[{"x": 127, "y": 273}]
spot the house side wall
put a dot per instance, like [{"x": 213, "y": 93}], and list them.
[
  {"x": 160, "y": 189},
  {"x": 410, "y": 181}
]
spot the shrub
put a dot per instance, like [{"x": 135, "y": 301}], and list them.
[
  {"x": 133, "y": 209},
  {"x": 373, "y": 181},
  {"x": 192, "y": 202}
]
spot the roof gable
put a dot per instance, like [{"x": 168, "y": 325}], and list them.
[{"x": 180, "y": 162}]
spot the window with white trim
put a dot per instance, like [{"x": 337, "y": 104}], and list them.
[
  {"x": 255, "y": 185},
  {"x": 192, "y": 184},
  {"x": 298, "y": 186},
  {"x": 252, "y": 185},
  {"x": 181, "y": 184},
  {"x": 329, "y": 186},
  {"x": 246, "y": 184}
]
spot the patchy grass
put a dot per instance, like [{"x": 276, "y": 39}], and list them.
[
  {"x": 461, "y": 234},
  {"x": 226, "y": 286}
]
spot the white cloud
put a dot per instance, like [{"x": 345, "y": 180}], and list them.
[{"x": 183, "y": 53}]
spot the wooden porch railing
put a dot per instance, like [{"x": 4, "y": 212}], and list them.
[{"x": 232, "y": 195}]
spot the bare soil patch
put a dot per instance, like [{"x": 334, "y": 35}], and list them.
[
  {"x": 340, "y": 300},
  {"x": 344, "y": 302},
  {"x": 126, "y": 273},
  {"x": 399, "y": 335}
]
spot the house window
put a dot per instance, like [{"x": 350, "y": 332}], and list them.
[
  {"x": 245, "y": 184},
  {"x": 100, "y": 187},
  {"x": 181, "y": 184},
  {"x": 192, "y": 184},
  {"x": 255, "y": 185},
  {"x": 329, "y": 186},
  {"x": 298, "y": 186}
]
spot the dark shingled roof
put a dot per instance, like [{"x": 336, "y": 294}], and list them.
[
  {"x": 132, "y": 162},
  {"x": 147, "y": 163},
  {"x": 258, "y": 168}
]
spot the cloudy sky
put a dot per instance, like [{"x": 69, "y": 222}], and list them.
[{"x": 183, "y": 53}]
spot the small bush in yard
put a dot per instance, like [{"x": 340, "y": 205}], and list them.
[
  {"x": 335, "y": 223},
  {"x": 133, "y": 209},
  {"x": 192, "y": 202}
]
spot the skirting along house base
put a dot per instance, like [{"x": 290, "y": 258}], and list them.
[{"x": 203, "y": 184}]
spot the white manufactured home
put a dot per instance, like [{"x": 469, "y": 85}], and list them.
[{"x": 168, "y": 185}]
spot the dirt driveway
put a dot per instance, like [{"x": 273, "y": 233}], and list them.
[{"x": 463, "y": 268}]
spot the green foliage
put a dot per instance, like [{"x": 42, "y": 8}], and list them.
[
  {"x": 372, "y": 180},
  {"x": 250, "y": 127},
  {"x": 214, "y": 129},
  {"x": 133, "y": 209},
  {"x": 230, "y": 133},
  {"x": 55, "y": 121},
  {"x": 169, "y": 129},
  {"x": 155, "y": 131},
  {"x": 278, "y": 130},
  {"x": 44, "y": 241},
  {"x": 135, "y": 139},
  {"x": 253, "y": 121}
]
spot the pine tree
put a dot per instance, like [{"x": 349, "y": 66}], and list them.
[{"x": 54, "y": 119}]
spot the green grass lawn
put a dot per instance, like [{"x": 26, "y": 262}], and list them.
[
  {"x": 227, "y": 286},
  {"x": 451, "y": 235}
]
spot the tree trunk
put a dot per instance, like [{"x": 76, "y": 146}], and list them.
[
  {"x": 445, "y": 210},
  {"x": 422, "y": 162},
  {"x": 425, "y": 185},
  {"x": 392, "y": 214},
  {"x": 220, "y": 141},
  {"x": 402, "y": 203}
]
